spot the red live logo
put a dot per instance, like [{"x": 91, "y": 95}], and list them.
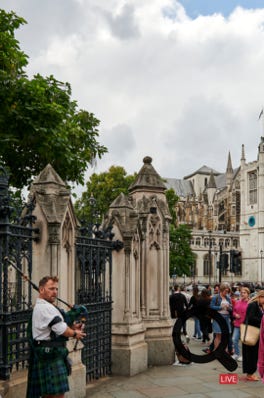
[{"x": 228, "y": 378}]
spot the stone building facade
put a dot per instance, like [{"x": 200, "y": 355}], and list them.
[{"x": 226, "y": 214}]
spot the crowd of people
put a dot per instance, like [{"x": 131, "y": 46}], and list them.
[{"x": 236, "y": 304}]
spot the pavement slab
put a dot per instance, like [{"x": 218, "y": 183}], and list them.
[{"x": 193, "y": 381}]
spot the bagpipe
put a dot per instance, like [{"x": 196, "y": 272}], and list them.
[{"x": 76, "y": 314}]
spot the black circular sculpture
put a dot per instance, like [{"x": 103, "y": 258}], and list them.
[{"x": 219, "y": 353}]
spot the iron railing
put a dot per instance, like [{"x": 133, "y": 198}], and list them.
[
  {"x": 16, "y": 237},
  {"x": 94, "y": 290}
]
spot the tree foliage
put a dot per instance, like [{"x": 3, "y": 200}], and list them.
[
  {"x": 181, "y": 256},
  {"x": 39, "y": 123},
  {"x": 104, "y": 188},
  {"x": 172, "y": 199}
]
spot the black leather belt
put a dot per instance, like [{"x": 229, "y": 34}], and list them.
[{"x": 49, "y": 343}]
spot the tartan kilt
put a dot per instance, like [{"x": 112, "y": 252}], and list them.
[{"x": 47, "y": 374}]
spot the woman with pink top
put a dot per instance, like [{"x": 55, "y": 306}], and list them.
[{"x": 239, "y": 314}]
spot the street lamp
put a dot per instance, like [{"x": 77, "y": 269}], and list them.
[
  {"x": 210, "y": 255},
  {"x": 261, "y": 256},
  {"x": 220, "y": 260},
  {"x": 215, "y": 266}
]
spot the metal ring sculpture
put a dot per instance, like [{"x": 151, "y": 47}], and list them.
[{"x": 219, "y": 353}]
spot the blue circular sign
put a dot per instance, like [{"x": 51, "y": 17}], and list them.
[{"x": 251, "y": 221}]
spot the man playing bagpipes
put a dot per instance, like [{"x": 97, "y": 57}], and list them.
[{"x": 48, "y": 331}]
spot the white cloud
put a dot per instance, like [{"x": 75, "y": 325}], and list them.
[{"x": 184, "y": 91}]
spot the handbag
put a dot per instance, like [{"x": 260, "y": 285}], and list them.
[{"x": 249, "y": 334}]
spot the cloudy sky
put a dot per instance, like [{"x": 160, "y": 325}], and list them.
[{"x": 180, "y": 81}]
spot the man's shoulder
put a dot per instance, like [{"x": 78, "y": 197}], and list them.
[
  {"x": 44, "y": 306},
  {"x": 40, "y": 301}
]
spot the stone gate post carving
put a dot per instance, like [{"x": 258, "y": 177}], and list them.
[{"x": 141, "y": 323}]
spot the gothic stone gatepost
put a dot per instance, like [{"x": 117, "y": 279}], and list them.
[
  {"x": 129, "y": 349},
  {"x": 141, "y": 276},
  {"x": 54, "y": 254}
]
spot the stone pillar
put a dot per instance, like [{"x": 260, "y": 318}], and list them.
[
  {"x": 54, "y": 253},
  {"x": 142, "y": 327},
  {"x": 77, "y": 379},
  {"x": 129, "y": 349}
]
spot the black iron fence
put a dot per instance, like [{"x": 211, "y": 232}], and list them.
[
  {"x": 16, "y": 237},
  {"x": 94, "y": 290}
]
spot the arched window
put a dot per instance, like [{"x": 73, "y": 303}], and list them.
[
  {"x": 235, "y": 244},
  {"x": 206, "y": 242},
  {"x": 206, "y": 265}
]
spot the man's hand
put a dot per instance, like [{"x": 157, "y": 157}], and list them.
[{"x": 79, "y": 334}]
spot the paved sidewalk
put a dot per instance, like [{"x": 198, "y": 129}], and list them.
[{"x": 194, "y": 381}]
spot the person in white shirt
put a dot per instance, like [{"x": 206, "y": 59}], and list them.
[{"x": 48, "y": 371}]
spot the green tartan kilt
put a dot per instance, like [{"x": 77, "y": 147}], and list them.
[{"x": 47, "y": 373}]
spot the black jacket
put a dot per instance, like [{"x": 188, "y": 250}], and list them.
[
  {"x": 254, "y": 314},
  {"x": 178, "y": 304}
]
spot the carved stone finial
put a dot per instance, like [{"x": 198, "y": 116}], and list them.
[{"x": 147, "y": 160}]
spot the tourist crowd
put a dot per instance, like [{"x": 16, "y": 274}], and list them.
[{"x": 238, "y": 305}]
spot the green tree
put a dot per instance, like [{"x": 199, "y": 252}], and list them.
[
  {"x": 104, "y": 188},
  {"x": 181, "y": 256},
  {"x": 39, "y": 123},
  {"x": 172, "y": 199}
]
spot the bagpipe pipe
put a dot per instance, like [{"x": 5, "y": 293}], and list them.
[{"x": 76, "y": 314}]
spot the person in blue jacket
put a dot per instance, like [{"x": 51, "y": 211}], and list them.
[{"x": 221, "y": 302}]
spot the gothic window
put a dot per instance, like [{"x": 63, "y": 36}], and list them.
[
  {"x": 206, "y": 265},
  {"x": 205, "y": 182},
  {"x": 198, "y": 242},
  {"x": 194, "y": 271},
  {"x": 221, "y": 207},
  {"x": 252, "y": 187},
  {"x": 235, "y": 243},
  {"x": 237, "y": 204}
]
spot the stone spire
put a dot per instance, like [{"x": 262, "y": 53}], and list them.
[
  {"x": 147, "y": 179},
  {"x": 229, "y": 171},
  {"x": 229, "y": 168},
  {"x": 211, "y": 188},
  {"x": 51, "y": 193},
  {"x": 211, "y": 183},
  {"x": 243, "y": 157}
]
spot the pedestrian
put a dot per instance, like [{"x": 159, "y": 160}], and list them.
[
  {"x": 260, "y": 364},
  {"x": 48, "y": 333},
  {"x": 216, "y": 288},
  {"x": 222, "y": 304},
  {"x": 239, "y": 314},
  {"x": 254, "y": 315},
  {"x": 179, "y": 304},
  {"x": 185, "y": 293},
  {"x": 197, "y": 334},
  {"x": 203, "y": 305}
]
